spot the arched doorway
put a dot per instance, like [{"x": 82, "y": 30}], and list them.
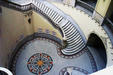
[{"x": 95, "y": 42}]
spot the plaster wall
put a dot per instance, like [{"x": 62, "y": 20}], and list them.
[
  {"x": 102, "y": 6},
  {"x": 13, "y": 29},
  {"x": 15, "y": 26}
]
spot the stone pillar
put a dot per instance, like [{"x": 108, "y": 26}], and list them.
[{"x": 101, "y": 10}]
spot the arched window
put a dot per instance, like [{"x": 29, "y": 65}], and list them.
[{"x": 95, "y": 42}]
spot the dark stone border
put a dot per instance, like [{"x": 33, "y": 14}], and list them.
[
  {"x": 27, "y": 39},
  {"x": 74, "y": 68},
  {"x": 71, "y": 56},
  {"x": 85, "y": 5},
  {"x": 85, "y": 50}
]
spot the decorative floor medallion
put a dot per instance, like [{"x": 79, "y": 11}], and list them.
[
  {"x": 40, "y": 63},
  {"x": 27, "y": 61}
]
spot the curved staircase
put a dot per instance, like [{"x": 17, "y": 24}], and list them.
[
  {"x": 72, "y": 33},
  {"x": 44, "y": 43},
  {"x": 74, "y": 39}
]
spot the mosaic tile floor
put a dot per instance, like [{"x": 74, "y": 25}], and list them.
[
  {"x": 81, "y": 64},
  {"x": 40, "y": 63}
]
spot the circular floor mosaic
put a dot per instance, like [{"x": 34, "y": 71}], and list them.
[{"x": 40, "y": 63}]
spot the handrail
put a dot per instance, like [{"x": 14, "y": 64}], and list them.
[
  {"x": 10, "y": 2},
  {"x": 16, "y": 6},
  {"x": 109, "y": 23},
  {"x": 85, "y": 5}
]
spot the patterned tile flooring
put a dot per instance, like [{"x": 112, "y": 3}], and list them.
[{"x": 82, "y": 63}]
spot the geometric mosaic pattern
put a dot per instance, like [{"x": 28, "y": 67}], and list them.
[
  {"x": 36, "y": 58},
  {"x": 71, "y": 69},
  {"x": 40, "y": 63}
]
